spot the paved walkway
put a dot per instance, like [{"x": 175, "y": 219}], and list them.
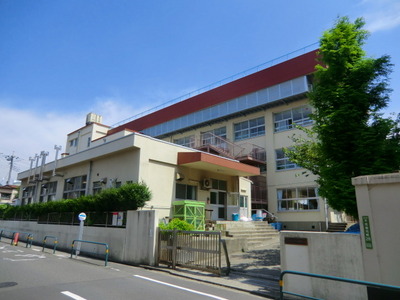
[{"x": 255, "y": 271}]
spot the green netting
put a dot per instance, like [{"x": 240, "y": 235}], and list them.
[{"x": 192, "y": 212}]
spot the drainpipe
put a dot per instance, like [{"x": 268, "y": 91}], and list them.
[
  {"x": 57, "y": 148},
  {"x": 89, "y": 177}
]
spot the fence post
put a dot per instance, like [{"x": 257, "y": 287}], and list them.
[{"x": 174, "y": 248}]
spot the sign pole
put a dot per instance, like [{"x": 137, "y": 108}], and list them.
[{"x": 82, "y": 218}]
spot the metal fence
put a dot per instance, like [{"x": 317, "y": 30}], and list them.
[
  {"x": 200, "y": 250},
  {"x": 100, "y": 219}
]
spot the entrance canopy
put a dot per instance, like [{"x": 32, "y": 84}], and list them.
[{"x": 217, "y": 164}]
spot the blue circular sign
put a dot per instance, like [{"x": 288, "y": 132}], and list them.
[{"x": 82, "y": 216}]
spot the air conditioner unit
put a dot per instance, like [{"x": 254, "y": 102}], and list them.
[{"x": 207, "y": 183}]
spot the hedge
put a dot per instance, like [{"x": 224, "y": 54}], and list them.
[{"x": 130, "y": 196}]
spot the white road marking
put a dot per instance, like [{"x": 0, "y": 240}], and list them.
[
  {"x": 21, "y": 259},
  {"x": 72, "y": 295},
  {"x": 61, "y": 255},
  {"x": 181, "y": 288},
  {"x": 115, "y": 269},
  {"x": 31, "y": 255}
]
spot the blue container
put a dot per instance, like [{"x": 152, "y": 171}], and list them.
[
  {"x": 278, "y": 226},
  {"x": 235, "y": 217},
  {"x": 273, "y": 225}
]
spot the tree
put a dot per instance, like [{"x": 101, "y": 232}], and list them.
[{"x": 350, "y": 136}]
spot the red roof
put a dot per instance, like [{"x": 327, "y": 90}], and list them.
[{"x": 290, "y": 69}]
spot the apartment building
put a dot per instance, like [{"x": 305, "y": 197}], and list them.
[{"x": 225, "y": 145}]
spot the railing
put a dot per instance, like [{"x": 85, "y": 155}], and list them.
[
  {"x": 239, "y": 75},
  {"x": 92, "y": 252},
  {"x": 230, "y": 149},
  {"x": 55, "y": 242},
  {"x": 28, "y": 238},
  {"x": 340, "y": 279},
  {"x": 192, "y": 249},
  {"x": 99, "y": 219},
  {"x": 269, "y": 215}
]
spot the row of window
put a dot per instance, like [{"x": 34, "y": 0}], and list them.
[
  {"x": 234, "y": 106},
  {"x": 298, "y": 199},
  {"x": 289, "y": 199},
  {"x": 285, "y": 120}
]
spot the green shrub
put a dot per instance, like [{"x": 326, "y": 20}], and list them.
[
  {"x": 177, "y": 224},
  {"x": 127, "y": 197}
]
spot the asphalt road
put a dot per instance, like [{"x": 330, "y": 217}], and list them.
[{"x": 29, "y": 273}]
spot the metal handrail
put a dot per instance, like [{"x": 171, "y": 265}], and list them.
[
  {"x": 354, "y": 281},
  {"x": 29, "y": 237},
  {"x": 54, "y": 243},
  {"x": 266, "y": 211},
  {"x": 91, "y": 242}
]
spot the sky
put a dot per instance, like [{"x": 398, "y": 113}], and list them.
[{"x": 61, "y": 60}]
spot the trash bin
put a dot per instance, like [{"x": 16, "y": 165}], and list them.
[{"x": 235, "y": 217}]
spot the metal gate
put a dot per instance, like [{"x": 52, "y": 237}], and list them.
[{"x": 192, "y": 249}]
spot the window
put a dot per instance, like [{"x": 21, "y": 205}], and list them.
[
  {"x": 285, "y": 120},
  {"x": 28, "y": 194},
  {"x": 218, "y": 184},
  {"x": 73, "y": 143},
  {"x": 187, "y": 141},
  {"x": 74, "y": 187},
  {"x": 249, "y": 129},
  {"x": 297, "y": 199},
  {"x": 48, "y": 192},
  {"x": 216, "y": 137},
  {"x": 96, "y": 187},
  {"x": 283, "y": 162},
  {"x": 186, "y": 192}
]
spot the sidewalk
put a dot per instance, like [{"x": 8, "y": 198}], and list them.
[{"x": 256, "y": 272}]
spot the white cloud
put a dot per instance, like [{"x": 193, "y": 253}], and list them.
[
  {"x": 381, "y": 14},
  {"x": 25, "y": 133}
]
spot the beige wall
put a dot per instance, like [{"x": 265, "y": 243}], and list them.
[
  {"x": 378, "y": 200},
  {"x": 272, "y": 141},
  {"x": 325, "y": 254}
]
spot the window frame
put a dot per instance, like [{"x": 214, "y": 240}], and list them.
[
  {"x": 295, "y": 201},
  {"x": 249, "y": 129},
  {"x": 75, "y": 187},
  {"x": 190, "y": 192},
  {"x": 288, "y": 118},
  {"x": 283, "y": 162}
]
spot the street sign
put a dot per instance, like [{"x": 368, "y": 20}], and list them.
[{"x": 82, "y": 216}]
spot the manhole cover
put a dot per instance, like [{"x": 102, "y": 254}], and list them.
[{"x": 7, "y": 284}]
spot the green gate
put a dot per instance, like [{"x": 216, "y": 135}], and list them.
[{"x": 192, "y": 212}]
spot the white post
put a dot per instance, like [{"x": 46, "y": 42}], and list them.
[{"x": 82, "y": 218}]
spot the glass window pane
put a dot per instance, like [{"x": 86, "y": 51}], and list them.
[{"x": 180, "y": 191}]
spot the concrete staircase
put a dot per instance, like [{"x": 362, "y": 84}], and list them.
[
  {"x": 336, "y": 227},
  {"x": 246, "y": 236}
]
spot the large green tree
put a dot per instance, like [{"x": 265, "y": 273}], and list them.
[{"x": 350, "y": 136}]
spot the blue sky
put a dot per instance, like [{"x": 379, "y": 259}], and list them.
[{"x": 63, "y": 59}]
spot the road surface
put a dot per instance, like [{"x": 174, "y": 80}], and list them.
[{"x": 29, "y": 273}]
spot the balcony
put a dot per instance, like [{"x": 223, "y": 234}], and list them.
[{"x": 246, "y": 153}]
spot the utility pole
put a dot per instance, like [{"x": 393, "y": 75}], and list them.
[{"x": 10, "y": 158}]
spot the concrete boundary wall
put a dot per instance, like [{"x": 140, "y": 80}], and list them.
[
  {"x": 135, "y": 244},
  {"x": 332, "y": 254}
]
